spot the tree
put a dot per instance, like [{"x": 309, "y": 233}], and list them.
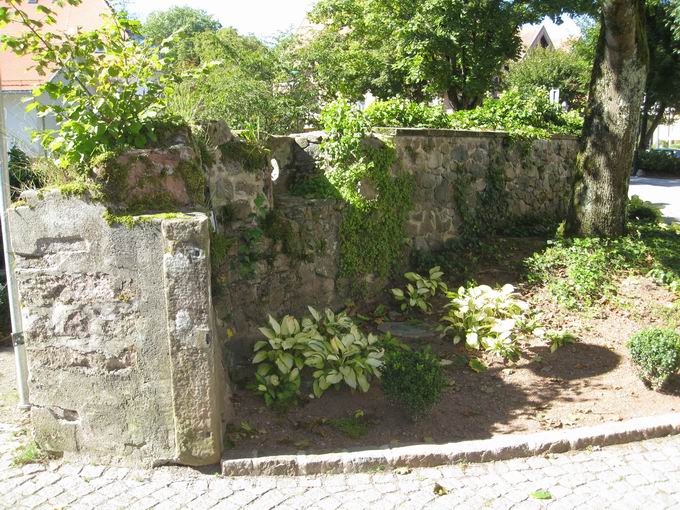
[
  {"x": 421, "y": 48},
  {"x": 553, "y": 68},
  {"x": 663, "y": 78},
  {"x": 163, "y": 24},
  {"x": 610, "y": 130},
  {"x": 252, "y": 87},
  {"x": 112, "y": 90}
]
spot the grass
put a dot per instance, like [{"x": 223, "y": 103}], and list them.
[
  {"x": 354, "y": 427},
  {"x": 29, "y": 454}
]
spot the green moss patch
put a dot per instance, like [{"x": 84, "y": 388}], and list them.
[{"x": 251, "y": 155}]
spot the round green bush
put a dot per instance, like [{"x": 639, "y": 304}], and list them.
[
  {"x": 413, "y": 380},
  {"x": 656, "y": 354}
]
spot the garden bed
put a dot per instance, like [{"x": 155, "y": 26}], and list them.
[{"x": 585, "y": 383}]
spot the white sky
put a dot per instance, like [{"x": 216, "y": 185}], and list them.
[
  {"x": 267, "y": 18},
  {"x": 264, "y": 18}
]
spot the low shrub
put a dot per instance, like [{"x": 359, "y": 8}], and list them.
[
  {"x": 486, "y": 319},
  {"x": 579, "y": 272},
  {"x": 656, "y": 354},
  {"x": 330, "y": 344},
  {"x": 413, "y": 380},
  {"x": 423, "y": 288},
  {"x": 643, "y": 211},
  {"x": 659, "y": 162},
  {"x": 401, "y": 112}
]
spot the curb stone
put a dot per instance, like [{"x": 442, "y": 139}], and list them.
[{"x": 430, "y": 455}]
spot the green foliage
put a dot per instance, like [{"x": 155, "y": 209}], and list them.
[
  {"x": 414, "y": 380},
  {"x": 656, "y": 354},
  {"x": 355, "y": 426},
  {"x": 419, "y": 50},
  {"x": 526, "y": 113},
  {"x": 253, "y": 85},
  {"x": 182, "y": 21},
  {"x": 29, "y": 454},
  {"x": 253, "y": 155},
  {"x": 421, "y": 290},
  {"x": 580, "y": 272},
  {"x": 331, "y": 344},
  {"x": 486, "y": 319},
  {"x": 373, "y": 229},
  {"x": 112, "y": 90},
  {"x": 659, "y": 162},
  {"x": 553, "y": 68},
  {"x": 401, "y": 112},
  {"x": 643, "y": 211},
  {"x": 21, "y": 175},
  {"x": 559, "y": 339}
]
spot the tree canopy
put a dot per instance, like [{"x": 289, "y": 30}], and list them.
[{"x": 422, "y": 48}]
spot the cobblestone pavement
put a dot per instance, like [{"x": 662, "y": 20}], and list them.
[{"x": 638, "y": 475}]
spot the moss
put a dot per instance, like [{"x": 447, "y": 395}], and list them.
[
  {"x": 194, "y": 178},
  {"x": 251, "y": 155},
  {"x": 219, "y": 248},
  {"x": 130, "y": 221},
  {"x": 79, "y": 189},
  {"x": 19, "y": 203}
]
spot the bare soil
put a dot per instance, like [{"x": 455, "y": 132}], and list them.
[{"x": 585, "y": 383}]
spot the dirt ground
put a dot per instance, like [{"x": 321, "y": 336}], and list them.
[{"x": 585, "y": 383}]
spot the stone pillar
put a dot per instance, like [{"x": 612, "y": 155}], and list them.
[{"x": 123, "y": 363}]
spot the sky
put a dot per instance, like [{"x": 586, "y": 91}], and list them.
[
  {"x": 268, "y": 18},
  {"x": 264, "y": 18}
]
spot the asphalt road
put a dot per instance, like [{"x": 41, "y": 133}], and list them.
[{"x": 663, "y": 192}]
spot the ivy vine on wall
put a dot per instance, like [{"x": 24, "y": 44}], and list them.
[{"x": 359, "y": 169}]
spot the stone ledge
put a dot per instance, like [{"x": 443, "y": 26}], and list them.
[
  {"x": 494, "y": 449},
  {"x": 452, "y": 133}
]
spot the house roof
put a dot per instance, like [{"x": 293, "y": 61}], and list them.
[
  {"x": 534, "y": 36},
  {"x": 17, "y": 72}
]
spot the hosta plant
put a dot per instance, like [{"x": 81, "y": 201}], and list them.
[
  {"x": 329, "y": 344},
  {"x": 486, "y": 319},
  {"x": 340, "y": 352},
  {"x": 421, "y": 289},
  {"x": 279, "y": 359}
]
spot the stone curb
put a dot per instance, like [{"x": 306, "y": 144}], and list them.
[{"x": 429, "y": 455}]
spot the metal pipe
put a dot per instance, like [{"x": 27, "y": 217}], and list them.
[{"x": 12, "y": 290}]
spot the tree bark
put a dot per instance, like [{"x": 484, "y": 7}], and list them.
[{"x": 610, "y": 132}]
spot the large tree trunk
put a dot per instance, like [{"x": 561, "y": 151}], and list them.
[{"x": 610, "y": 132}]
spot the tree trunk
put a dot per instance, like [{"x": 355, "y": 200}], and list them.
[
  {"x": 609, "y": 138},
  {"x": 658, "y": 117}
]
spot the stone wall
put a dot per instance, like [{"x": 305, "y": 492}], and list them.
[
  {"x": 123, "y": 361},
  {"x": 128, "y": 326},
  {"x": 453, "y": 170}
]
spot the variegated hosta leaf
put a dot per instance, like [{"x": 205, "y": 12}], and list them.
[{"x": 315, "y": 314}]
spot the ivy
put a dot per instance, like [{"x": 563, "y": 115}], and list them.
[{"x": 359, "y": 168}]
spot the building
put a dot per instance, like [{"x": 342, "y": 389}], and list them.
[{"x": 18, "y": 76}]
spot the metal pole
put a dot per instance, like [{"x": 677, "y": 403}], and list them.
[{"x": 12, "y": 291}]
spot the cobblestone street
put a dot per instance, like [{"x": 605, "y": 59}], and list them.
[{"x": 638, "y": 475}]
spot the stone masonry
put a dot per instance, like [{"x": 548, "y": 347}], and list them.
[{"x": 124, "y": 365}]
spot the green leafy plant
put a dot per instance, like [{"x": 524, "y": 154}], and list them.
[
  {"x": 643, "y": 211},
  {"x": 414, "y": 380},
  {"x": 423, "y": 288},
  {"x": 580, "y": 272},
  {"x": 659, "y": 163},
  {"x": 112, "y": 90},
  {"x": 559, "y": 339},
  {"x": 400, "y": 112},
  {"x": 355, "y": 426},
  {"x": 330, "y": 344},
  {"x": 485, "y": 319},
  {"x": 360, "y": 169},
  {"x": 656, "y": 354},
  {"x": 340, "y": 352},
  {"x": 29, "y": 454}
]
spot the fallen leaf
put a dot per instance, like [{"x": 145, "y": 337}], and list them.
[
  {"x": 439, "y": 490},
  {"x": 541, "y": 494}
]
